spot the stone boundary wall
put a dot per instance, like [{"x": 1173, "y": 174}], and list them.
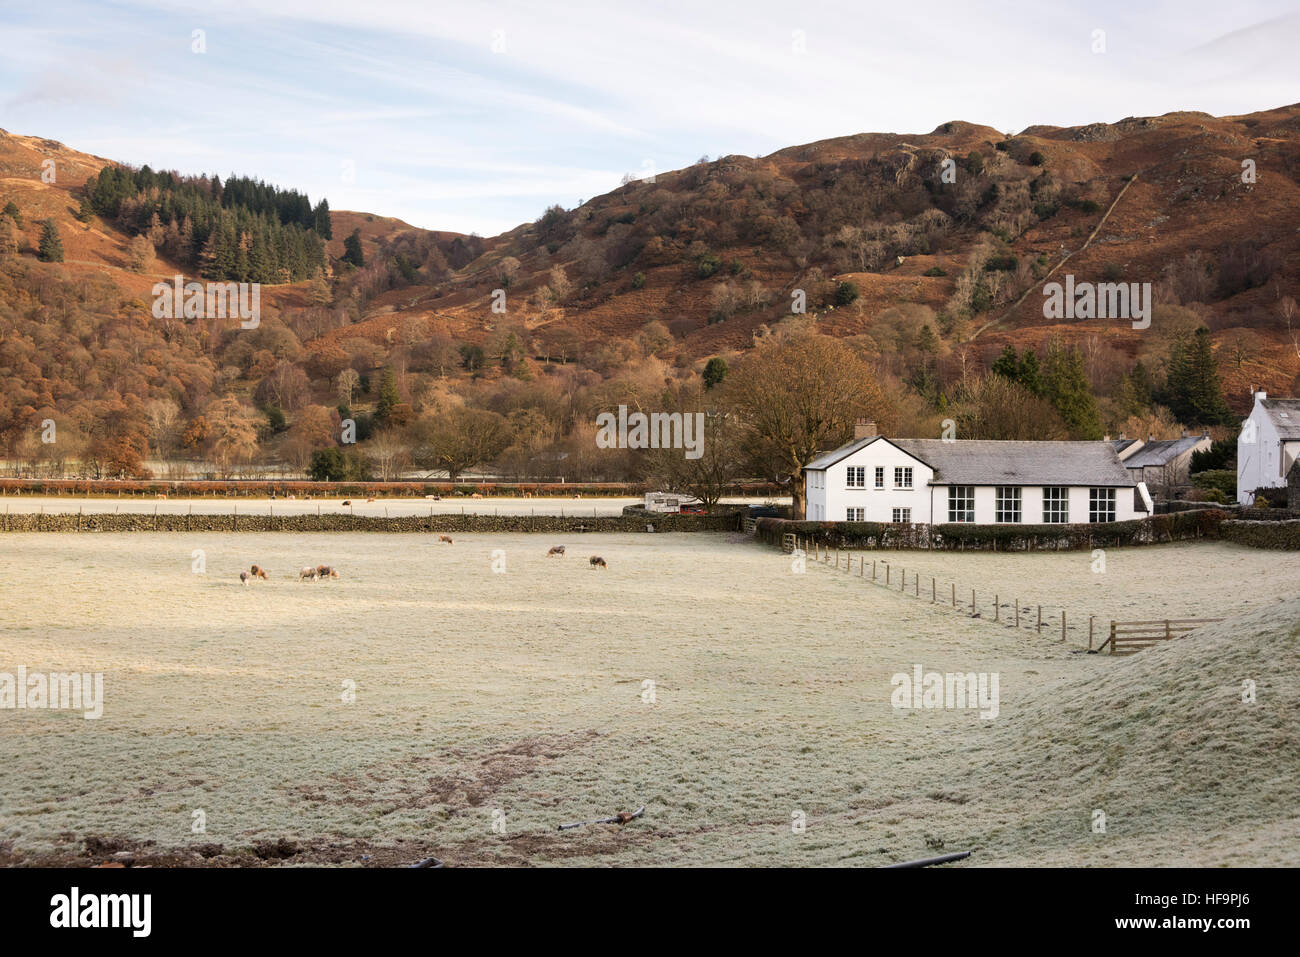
[{"x": 37, "y": 522}]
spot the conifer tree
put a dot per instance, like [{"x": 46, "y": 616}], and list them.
[
  {"x": 51, "y": 248},
  {"x": 321, "y": 220},
  {"x": 352, "y": 252},
  {"x": 388, "y": 395},
  {"x": 1065, "y": 385},
  {"x": 1193, "y": 390}
]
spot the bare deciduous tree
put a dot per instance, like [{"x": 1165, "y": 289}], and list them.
[{"x": 800, "y": 397}]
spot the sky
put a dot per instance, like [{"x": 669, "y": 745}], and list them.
[{"x": 476, "y": 116}]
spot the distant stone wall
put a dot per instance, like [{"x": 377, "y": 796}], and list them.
[
  {"x": 36, "y": 522},
  {"x": 148, "y": 488}
]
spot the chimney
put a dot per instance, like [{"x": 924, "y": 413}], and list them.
[{"x": 864, "y": 429}]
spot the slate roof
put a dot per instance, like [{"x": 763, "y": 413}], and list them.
[
  {"x": 1285, "y": 415},
  {"x": 1160, "y": 452},
  {"x": 986, "y": 462},
  {"x": 827, "y": 459}
]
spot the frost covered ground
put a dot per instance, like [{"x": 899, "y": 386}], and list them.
[{"x": 492, "y": 706}]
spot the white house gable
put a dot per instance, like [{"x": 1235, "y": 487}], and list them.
[
  {"x": 878, "y": 482},
  {"x": 1267, "y": 446}
]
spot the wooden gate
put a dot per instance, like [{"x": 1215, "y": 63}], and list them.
[{"x": 1130, "y": 637}]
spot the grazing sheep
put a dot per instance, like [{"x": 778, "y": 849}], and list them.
[
  {"x": 307, "y": 572},
  {"x": 243, "y": 578},
  {"x": 445, "y": 538},
  {"x": 556, "y": 550},
  {"x": 347, "y": 501},
  {"x": 326, "y": 571},
  {"x": 598, "y": 562},
  {"x": 258, "y": 571}
]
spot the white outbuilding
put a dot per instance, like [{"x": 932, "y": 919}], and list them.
[
  {"x": 934, "y": 481},
  {"x": 1267, "y": 446}
]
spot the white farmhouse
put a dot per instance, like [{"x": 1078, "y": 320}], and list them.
[
  {"x": 1267, "y": 446},
  {"x": 932, "y": 481}
]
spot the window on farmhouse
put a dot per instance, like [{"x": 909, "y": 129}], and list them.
[
  {"x": 1101, "y": 505},
  {"x": 856, "y": 477},
  {"x": 1056, "y": 505},
  {"x": 902, "y": 478},
  {"x": 902, "y": 515},
  {"x": 961, "y": 503},
  {"x": 880, "y": 476},
  {"x": 856, "y": 515},
  {"x": 1007, "y": 504}
]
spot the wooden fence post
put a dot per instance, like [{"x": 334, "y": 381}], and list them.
[
  {"x": 1017, "y": 612},
  {"x": 972, "y": 601},
  {"x": 1112, "y": 637},
  {"x": 902, "y": 579},
  {"x": 932, "y": 594},
  {"x": 997, "y": 610},
  {"x": 873, "y": 569},
  {"x": 1040, "y": 619},
  {"x": 1063, "y": 624},
  {"x": 954, "y": 594},
  {"x": 862, "y": 568},
  {"x": 1090, "y": 617},
  {"x": 916, "y": 587},
  {"x": 887, "y": 576}
]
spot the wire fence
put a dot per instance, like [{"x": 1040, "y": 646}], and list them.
[{"x": 1011, "y": 611}]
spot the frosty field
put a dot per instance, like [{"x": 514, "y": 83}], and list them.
[{"x": 519, "y": 699}]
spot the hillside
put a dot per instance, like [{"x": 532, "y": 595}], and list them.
[
  {"x": 925, "y": 252},
  {"x": 1164, "y": 745},
  {"x": 870, "y": 210}
]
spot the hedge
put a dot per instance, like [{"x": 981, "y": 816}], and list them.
[
  {"x": 1258, "y": 534},
  {"x": 1202, "y": 523}
]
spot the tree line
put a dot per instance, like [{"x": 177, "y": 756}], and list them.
[{"x": 242, "y": 230}]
